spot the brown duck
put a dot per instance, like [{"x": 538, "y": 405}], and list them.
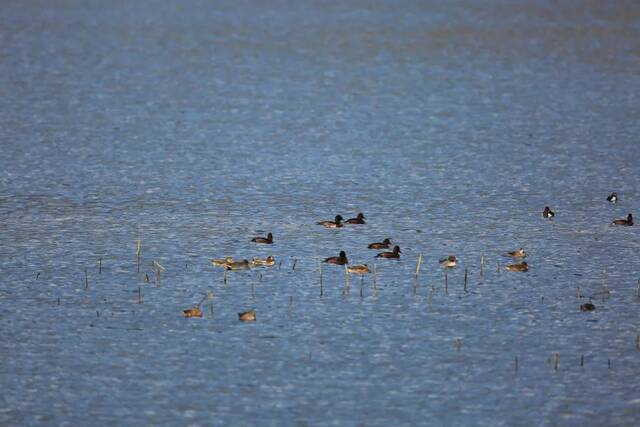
[
  {"x": 380, "y": 245},
  {"x": 628, "y": 221},
  {"x": 395, "y": 254},
  {"x": 521, "y": 266},
  {"x": 359, "y": 219},
  {"x": 247, "y": 316},
  {"x": 338, "y": 260}
]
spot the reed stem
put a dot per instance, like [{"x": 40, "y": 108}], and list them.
[{"x": 418, "y": 265}]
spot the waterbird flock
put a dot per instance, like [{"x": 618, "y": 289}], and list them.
[{"x": 228, "y": 263}]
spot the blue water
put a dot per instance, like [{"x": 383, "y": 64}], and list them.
[{"x": 195, "y": 126}]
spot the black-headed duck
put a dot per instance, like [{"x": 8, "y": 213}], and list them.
[
  {"x": 395, "y": 254},
  {"x": 613, "y": 197},
  {"x": 193, "y": 312},
  {"x": 359, "y": 219},
  {"x": 521, "y": 266},
  {"x": 520, "y": 253},
  {"x": 268, "y": 261},
  {"x": 338, "y": 260},
  {"x": 628, "y": 221},
  {"x": 237, "y": 265},
  {"x": 449, "y": 262},
  {"x": 267, "y": 240},
  {"x": 359, "y": 269},
  {"x": 336, "y": 223},
  {"x": 247, "y": 316},
  {"x": 548, "y": 213},
  {"x": 380, "y": 245},
  {"x": 222, "y": 261}
]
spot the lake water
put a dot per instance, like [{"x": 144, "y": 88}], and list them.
[{"x": 195, "y": 126}]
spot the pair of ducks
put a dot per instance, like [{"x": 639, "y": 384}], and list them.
[
  {"x": 245, "y": 316},
  {"x": 361, "y": 268},
  {"x": 337, "y": 221},
  {"x": 522, "y": 265},
  {"x": 341, "y": 259},
  {"x": 229, "y": 264}
]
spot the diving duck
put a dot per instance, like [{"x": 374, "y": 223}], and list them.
[
  {"x": 628, "y": 221},
  {"x": 395, "y": 254},
  {"x": 613, "y": 197},
  {"x": 338, "y": 260},
  {"x": 267, "y": 240},
  {"x": 548, "y": 213},
  {"x": 380, "y": 245},
  {"x": 336, "y": 223},
  {"x": 359, "y": 219}
]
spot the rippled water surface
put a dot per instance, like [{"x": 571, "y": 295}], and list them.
[{"x": 195, "y": 126}]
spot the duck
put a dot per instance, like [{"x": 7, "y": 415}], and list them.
[
  {"x": 380, "y": 245},
  {"x": 587, "y": 306},
  {"x": 268, "y": 261},
  {"x": 193, "y": 312},
  {"x": 222, "y": 261},
  {"x": 548, "y": 213},
  {"x": 628, "y": 221},
  {"x": 359, "y": 269},
  {"x": 338, "y": 260},
  {"x": 336, "y": 223},
  {"x": 520, "y": 253},
  {"x": 359, "y": 219},
  {"x": 247, "y": 316},
  {"x": 521, "y": 266},
  {"x": 237, "y": 265},
  {"x": 395, "y": 254},
  {"x": 449, "y": 262},
  {"x": 267, "y": 240},
  {"x": 613, "y": 197}
]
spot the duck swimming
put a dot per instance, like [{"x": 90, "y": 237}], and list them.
[
  {"x": 521, "y": 266},
  {"x": 221, "y": 262},
  {"x": 395, "y": 254},
  {"x": 237, "y": 265},
  {"x": 336, "y": 223},
  {"x": 338, "y": 260},
  {"x": 380, "y": 245},
  {"x": 247, "y": 316},
  {"x": 449, "y": 262},
  {"x": 267, "y": 240},
  {"x": 268, "y": 261},
  {"x": 628, "y": 221},
  {"x": 193, "y": 312},
  {"x": 612, "y": 198},
  {"x": 359, "y": 269},
  {"x": 548, "y": 213},
  {"x": 359, "y": 219},
  {"x": 520, "y": 253}
]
